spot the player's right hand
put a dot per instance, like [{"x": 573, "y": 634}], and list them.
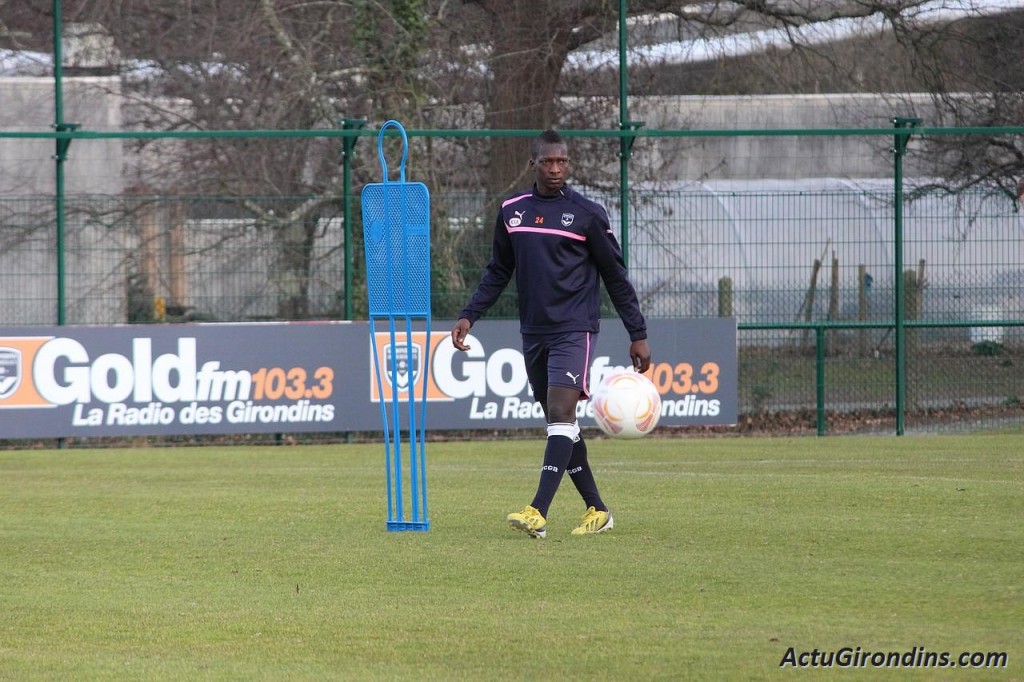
[{"x": 459, "y": 333}]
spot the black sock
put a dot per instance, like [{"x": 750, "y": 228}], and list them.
[
  {"x": 583, "y": 478},
  {"x": 556, "y": 457}
]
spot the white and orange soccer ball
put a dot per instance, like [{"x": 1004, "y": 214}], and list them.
[{"x": 626, "y": 405}]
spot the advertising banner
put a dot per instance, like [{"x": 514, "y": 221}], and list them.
[{"x": 138, "y": 380}]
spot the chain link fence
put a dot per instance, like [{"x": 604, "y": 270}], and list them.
[{"x": 805, "y": 261}]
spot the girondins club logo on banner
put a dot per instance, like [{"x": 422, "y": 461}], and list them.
[
  {"x": 10, "y": 371},
  {"x": 403, "y": 365},
  {"x": 409, "y": 369}
]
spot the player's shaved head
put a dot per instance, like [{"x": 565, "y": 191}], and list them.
[{"x": 545, "y": 138}]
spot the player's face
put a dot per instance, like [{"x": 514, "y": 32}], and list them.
[{"x": 552, "y": 168}]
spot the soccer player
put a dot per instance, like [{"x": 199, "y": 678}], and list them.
[{"x": 560, "y": 246}]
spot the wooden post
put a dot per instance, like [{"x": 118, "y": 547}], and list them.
[
  {"x": 833, "y": 294},
  {"x": 177, "y": 276},
  {"x": 809, "y": 301},
  {"x": 913, "y": 286},
  {"x": 725, "y": 297},
  {"x": 862, "y": 308}
]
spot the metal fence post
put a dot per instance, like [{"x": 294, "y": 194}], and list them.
[
  {"x": 348, "y": 144},
  {"x": 819, "y": 375},
  {"x": 625, "y": 141},
  {"x": 60, "y": 155},
  {"x": 899, "y": 149}
]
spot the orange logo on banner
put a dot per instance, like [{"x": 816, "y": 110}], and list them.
[
  {"x": 403, "y": 369},
  {"x": 17, "y": 354}
]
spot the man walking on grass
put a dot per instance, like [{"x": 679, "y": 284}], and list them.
[{"x": 560, "y": 246}]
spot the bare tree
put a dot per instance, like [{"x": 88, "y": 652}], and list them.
[{"x": 974, "y": 72}]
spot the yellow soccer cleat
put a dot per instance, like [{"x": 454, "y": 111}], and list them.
[
  {"x": 529, "y": 521},
  {"x": 594, "y": 521}
]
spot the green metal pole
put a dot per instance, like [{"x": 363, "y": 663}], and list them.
[
  {"x": 625, "y": 141},
  {"x": 819, "y": 338},
  {"x": 623, "y": 146},
  {"x": 61, "y": 153},
  {"x": 347, "y": 146},
  {"x": 899, "y": 150},
  {"x": 60, "y": 157}
]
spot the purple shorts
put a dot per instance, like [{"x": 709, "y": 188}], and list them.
[{"x": 559, "y": 360}]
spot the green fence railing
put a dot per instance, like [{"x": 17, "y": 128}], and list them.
[
  {"x": 881, "y": 299},
  {"x": 864, "y": 291}
]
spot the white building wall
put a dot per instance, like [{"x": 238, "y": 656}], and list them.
[{"x": 27, "y": 165}]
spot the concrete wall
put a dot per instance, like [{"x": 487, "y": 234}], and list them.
[
  {"x": 27, "y": 165},
  {"x": 28, "y": 254},
  {"x": 773, "y": 157},
  {"x": 752, "y": 213},
  {"x": 101, "y": 166}
]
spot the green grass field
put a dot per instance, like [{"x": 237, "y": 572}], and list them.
[{"x": 272, "y": 563}]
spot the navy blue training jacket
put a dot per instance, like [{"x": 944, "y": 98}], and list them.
[{"x": 557, "y": 247}]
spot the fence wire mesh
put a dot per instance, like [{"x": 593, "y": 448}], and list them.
[{"x": 784, "y": 255}]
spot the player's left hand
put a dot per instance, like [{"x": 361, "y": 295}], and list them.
[{"x": 640, "y": 352}]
